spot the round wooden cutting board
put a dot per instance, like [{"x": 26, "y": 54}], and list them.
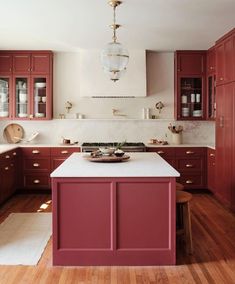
[{"x": 13, "y": 133}]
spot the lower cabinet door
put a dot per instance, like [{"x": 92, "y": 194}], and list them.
[{"x": 192, "y": 180}]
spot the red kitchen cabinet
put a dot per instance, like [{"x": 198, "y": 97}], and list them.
[
  {"x": 29, "y": 90},
  {"x": 190, "y": 62},
  {"x": 21, "y": 63},
  {"x": 210, "y": 63},
  {"x": 191, "y": 163},
  {"x": 190, "y": 83},
  {"x": 8, "y": 174},
  {"x": 60, "y": 154},
  {"x": 36, "y": 168},
  {"x": 5, "y": 63},
  {"x": 225, "y": 54},
  {"x": 211, "y": 84},
  {"x": 224, "y": 142},
  {"x": 211, "y": 169}
]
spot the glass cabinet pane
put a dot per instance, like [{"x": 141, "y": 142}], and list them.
[
  {"x": 191, "y": 97},
  {"x": 4, "y": 97},
  {"x": 40, "y": 97},
  {"x": 22, "y": 99},
  {"x": 211, "y": 90}
]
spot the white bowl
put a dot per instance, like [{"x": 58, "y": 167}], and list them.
[
  {"x": 22, "y": 114},
  {"x": 40, "y": 84},
  {"x": 39, "y": 114},
  {"x": 4, "y": 114},
  {"x": 107, "y": 151}
]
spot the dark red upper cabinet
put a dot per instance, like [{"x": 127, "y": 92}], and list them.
[
  {"x": 21, "y": 63},
  {"x": 191, "y": 62},
  {"x": 225, "y": 58},
  {"x": 190, "y": 78},
  {"x": 210, "y": 63},
  {"x": 5, "y": 63},
  {"x": 41, "y": 63}
]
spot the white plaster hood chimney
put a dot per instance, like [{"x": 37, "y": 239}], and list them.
[{"x": 96, "y": 83}]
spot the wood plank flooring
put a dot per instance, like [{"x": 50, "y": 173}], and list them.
[{"x": 213, "y": 260}]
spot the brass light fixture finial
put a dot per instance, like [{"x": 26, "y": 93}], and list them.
[{"x": 114, "y": 57}]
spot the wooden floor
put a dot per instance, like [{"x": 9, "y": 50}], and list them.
[{"x": 213, "y": 260}]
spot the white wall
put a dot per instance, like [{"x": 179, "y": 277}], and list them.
[{"x": 160, "y": 87}]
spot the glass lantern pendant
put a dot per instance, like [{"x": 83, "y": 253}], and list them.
[{"x": 114, "y": 57}]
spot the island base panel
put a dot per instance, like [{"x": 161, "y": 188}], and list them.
[{"x": 113, "y": 221}]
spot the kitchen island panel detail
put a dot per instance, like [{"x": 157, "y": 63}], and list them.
[{"x": 113, "y": 221}]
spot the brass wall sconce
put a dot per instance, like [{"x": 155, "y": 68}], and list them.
[{"x": 159, "y": 106}]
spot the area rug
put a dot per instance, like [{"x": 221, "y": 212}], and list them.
[{"x": 23, "y": 238}]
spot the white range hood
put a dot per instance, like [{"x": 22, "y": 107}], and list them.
[{"x": 94, "y": 82}]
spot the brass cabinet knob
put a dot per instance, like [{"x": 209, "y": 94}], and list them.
[
  {"x": 14, "y": 154},
  {"x": 188, "y": 165},
  {"x": 212, "y": 155},
  {"x": 36, "y": 181},
  {"x": 64, "y": 152},
  {"x": 7, "y": 157},
  {"x": 221, "y": 78},
  {"x": 6, "y": 168},
  {"x": 189, "y": 181},
  {"x": 160, "y": 152},
  {"x": 35, "y": 152},
  {"x": 189, "y": 152},
  {"x": 36, "y": 165}
]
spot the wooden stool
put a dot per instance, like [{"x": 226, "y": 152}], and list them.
[
  {"x": 184, "y": 218},
  {"x": 179, "y": 186}
]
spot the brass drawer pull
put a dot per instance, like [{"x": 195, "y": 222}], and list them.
[
  {"x": 189, "y": 152},
  {"x": 64, "y": 152},
  {"x": 221, "y": 78},
  {"x": 36, "y": 165},
  {"x": 212, "y": 155},
  {"x": 35, "y": 152},
  {"x": 36, "y": 181},
  {"x": 7, "y": 157},
  {"x": 189, "y": 181},
  {"x": 160, "y": 152},
  {"x": 6, "y": 168},
  {"x": 14, "y": 153},
  {"x": 189, "y": 165}
]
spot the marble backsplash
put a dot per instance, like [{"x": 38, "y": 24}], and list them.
[{"x": 105, "y": 130}]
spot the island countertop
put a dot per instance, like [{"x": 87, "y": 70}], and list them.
[{"x": 139, "y": 165}]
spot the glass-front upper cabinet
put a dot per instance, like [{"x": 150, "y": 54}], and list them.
[
  {"x": 4, "y": 97},
  {"x": 40, "y": 97},
  {"x": 211, "y": 94},
  {"x": 191, "y": 100},
  {"x": 22, "y": 101}
]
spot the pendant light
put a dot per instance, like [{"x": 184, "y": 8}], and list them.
[{"x": 114, "y": 57}]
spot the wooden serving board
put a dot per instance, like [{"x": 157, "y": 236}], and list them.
[
  {"x": 107, "y": 159},
  {"x": 13, "y": 133}
]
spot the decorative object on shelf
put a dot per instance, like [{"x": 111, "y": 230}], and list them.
[
  {"x": 176, "y": 132},
  {"x": 114, "y": 57},
  {"x": 68, "y": 106},
  {"x": 154, "y": 141},
  {"x": 159, "y": 106},
  {"x": 146, "y": 113}
]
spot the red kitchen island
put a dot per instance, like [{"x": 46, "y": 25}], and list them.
[{"x": 114, "y": 213}]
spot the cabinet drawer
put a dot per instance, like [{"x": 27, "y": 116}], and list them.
[
  {"x": 36, "y": 181},
  {"x": 191, "y": 164},
  {"x": 189, "y": 151},
  {"x": 36, "y": 151},
  {"x": 192, "y": 180},
  {"x": 64, "y": 151},
  {"x": 37, "y": 164}
]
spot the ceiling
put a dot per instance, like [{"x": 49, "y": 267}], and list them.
[{"x": 67, "y": 25}]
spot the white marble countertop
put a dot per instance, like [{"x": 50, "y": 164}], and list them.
[
  {"x": 139, "y": 165},
  {"x": 212, "y": 146},
  {"x": 7, "y": 147}
]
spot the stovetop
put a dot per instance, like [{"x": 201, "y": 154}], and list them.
[{"x": 112, "y": 144}]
